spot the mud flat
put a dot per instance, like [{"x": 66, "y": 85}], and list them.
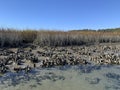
[
  {"x": 80, "y": 77},
  {"x": 32, "y": 56},
  {"x": 60, "y": 68}
]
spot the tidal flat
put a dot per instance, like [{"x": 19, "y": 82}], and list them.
[
  {"x": 85, "y": 67},
  {"x": 101, "y": 77}
]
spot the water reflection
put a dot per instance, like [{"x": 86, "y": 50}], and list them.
[
  {"x": 82, "y": 77},
  {"x": 93, "y": 80}
]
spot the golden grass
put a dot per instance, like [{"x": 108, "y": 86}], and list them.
[{"x": 11, "y": 37}]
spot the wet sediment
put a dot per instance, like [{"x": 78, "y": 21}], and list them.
[{"x": 27, "y": 58}]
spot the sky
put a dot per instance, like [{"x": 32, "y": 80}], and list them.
[{"x": 60, "y": 14}]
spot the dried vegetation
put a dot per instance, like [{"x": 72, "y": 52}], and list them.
[{"x": 12, "y": 38}]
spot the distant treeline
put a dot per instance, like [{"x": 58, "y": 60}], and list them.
[{"x": 14, "y": 38}]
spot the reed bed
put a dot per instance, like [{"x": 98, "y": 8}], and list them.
[{"x": 12, "y": 37}]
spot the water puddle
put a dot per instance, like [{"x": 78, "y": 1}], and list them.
[{"x": 82, "y": 77}]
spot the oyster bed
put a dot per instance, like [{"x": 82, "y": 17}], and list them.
[
  {"x": 32, "y": 56},
  {"x": 93, "y": 67}
]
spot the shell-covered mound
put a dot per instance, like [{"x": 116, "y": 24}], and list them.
[{"x": 33, "y": 56}]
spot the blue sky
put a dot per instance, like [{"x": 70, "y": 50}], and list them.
[{"x": 60, "y": 14}]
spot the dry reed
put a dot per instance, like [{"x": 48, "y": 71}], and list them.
[{"x": 12, "y": 38}]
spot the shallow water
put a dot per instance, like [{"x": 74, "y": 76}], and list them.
[{"x": 81, "y": 77}]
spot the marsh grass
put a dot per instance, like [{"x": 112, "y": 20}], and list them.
[{"x": 12, "y": 37}]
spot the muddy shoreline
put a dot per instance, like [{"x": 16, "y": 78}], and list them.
[{"x": 32, "y": 56}]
